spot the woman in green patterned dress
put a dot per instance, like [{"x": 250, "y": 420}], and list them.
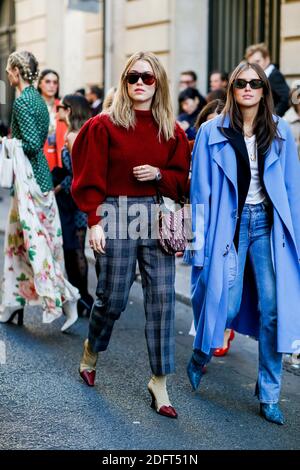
[{"x": 21, "y": 283}]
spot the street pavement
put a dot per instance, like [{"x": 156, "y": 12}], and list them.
[{"x": 45, "y": 405}]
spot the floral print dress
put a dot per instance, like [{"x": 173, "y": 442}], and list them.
[{"x": 33, "y": 257}]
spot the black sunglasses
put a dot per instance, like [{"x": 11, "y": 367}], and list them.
[
  {"x": 255, "y": 84},
  {"x": 133, "y": 77}
]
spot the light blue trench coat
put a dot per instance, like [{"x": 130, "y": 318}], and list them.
[{"x": 214, "y": 185}]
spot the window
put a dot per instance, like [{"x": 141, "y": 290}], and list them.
[
  {"x": 91, "y": 6},
  {"x": 235, "y": 24}
]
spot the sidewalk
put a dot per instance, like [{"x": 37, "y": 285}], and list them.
[
  {"x": 182, "y": 285},
  {"x": 183, "y": 272}
]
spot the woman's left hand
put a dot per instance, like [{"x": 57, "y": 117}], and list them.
[
  {"x": 145, "y": 172},
  {"x": 57, "y": 189}
]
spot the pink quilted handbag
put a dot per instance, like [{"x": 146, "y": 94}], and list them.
[{"x": 173, "y": 230}]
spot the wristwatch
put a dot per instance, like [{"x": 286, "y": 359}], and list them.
[{"x": 158, "y": 175}]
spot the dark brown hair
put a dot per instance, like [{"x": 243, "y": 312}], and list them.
[
  {"x": 80, "y": 111},
  {"x": 191, "y": 73},
  {"x": 215, "y": 106},
  {"x": 265, "y": 128},
  {"x": 217, "y": 95}
]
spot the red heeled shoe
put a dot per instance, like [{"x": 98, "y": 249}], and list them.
[
  {"x": 168, "y": 411},
  {"x": 87, "y": 368},
  {"x": 223, "y": 351},
  {"x": 88, "y": 376}
]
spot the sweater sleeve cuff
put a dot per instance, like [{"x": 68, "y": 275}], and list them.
[
  {"x": 93, "y": 219},
  {"x": 163, "y": 178},
  {"x": 163, "y": 185}
]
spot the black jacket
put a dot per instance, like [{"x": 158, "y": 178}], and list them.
[
  {"x": 280, "y": 91},
  {"x": 237, "y": 141},
  {"x": 97, "y": 110}
]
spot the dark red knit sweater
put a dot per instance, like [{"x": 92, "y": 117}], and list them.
[{"x": 104, "y": 155}]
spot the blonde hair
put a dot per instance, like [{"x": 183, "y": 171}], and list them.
[
  {"x": 121, "y": 110},
  {"x": 108, "y": 100},
  {"x": 261, "y": 47},
  {"x": 26, "y": 63}
]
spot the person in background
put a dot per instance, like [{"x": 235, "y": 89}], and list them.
[
  {"x": 292, "y": 116},
  {"x": 94, "y": 96},
  {"x": 80, "y": 91},
  {"x": 188, "y": 79},
  {"x": 33, "y": 253},
  {"x": 4, "y": 130},
  {"x": 218, "y": 80},
  {"x": 191, "y": 105},
  {"x": 134, "y": 150},
  {"x": 74, "y": 110},
  {"x": 259, "y": 54},
  {"x": 48, "y": 87}
]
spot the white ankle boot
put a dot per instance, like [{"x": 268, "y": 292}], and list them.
[{"x": 70, "y": 309}]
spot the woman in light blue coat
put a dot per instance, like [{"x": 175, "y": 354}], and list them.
[{"x": 245, "y": 197}]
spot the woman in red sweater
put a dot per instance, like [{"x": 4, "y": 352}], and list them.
[{"x": 121, "y": 158}]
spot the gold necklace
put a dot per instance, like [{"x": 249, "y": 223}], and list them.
[{"x": 252, "y": 155}]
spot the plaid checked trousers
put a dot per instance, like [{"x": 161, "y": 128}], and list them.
[{"x": 116, "y": 274}]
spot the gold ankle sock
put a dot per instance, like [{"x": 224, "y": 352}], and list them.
[
  {"x": 89, "y": 358},
  {"x": 158, "y": 386}
]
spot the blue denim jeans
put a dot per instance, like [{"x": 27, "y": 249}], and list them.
[{"x": 254, "y": 239}]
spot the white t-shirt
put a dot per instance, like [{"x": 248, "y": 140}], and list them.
[{"x": 256, "y": 194}]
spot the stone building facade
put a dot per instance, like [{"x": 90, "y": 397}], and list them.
[{"x": 90, "y": 48}]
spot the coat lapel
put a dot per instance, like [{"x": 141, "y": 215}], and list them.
[
  {"x": 273, "y": 154},
  {"x": 271, "y": 157},
  {"x": 222, "y": 152},
  {"x": 238, "y": 143},
  {"x": 275, "y": 184}
]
